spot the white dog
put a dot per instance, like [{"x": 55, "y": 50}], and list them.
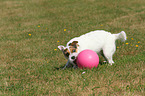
[{"x": 98, "y": 41}]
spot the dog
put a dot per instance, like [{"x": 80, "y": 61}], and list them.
[{"x": 100, "y": 41}]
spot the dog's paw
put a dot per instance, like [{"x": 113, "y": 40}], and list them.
[{"x": 63, "y": 68}]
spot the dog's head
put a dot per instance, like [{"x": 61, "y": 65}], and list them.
[{"x": 70, "y": 51}]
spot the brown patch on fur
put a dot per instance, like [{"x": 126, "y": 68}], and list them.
[
  {"x": 73, "y": 49},
  {"x": 74, "y": 43},
  {"x": 66, "y": 52},
  {"x": 73, "y": 46}
]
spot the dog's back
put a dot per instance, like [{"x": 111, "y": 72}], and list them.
[{"x": 94, "y": 40}]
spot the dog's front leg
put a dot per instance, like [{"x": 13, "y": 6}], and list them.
[{"x": 67, "y": 64}]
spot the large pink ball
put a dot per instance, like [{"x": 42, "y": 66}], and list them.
[{"x": 87, "y": 59}]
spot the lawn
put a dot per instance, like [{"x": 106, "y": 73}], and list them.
[{"x": 30, "y": 62}]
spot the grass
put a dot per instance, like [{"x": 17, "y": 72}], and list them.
[{"x": 30, "y": 32}]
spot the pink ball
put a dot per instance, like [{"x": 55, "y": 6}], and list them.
[{"x": 87, "y": 59}]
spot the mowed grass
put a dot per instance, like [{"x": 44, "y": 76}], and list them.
[{"x": 31, "y": 30}]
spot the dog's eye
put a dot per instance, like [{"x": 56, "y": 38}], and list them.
[
  {"x": 67, "y": 54},
  {"x": 74, "y": 50}
]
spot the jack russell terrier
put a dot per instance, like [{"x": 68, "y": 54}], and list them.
[{"x": 100, "y": 41}]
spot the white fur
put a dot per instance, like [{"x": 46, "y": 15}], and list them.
[{"x": 96, "y": 40}]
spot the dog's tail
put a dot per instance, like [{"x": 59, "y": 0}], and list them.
[{"x": 121, "y": 36}]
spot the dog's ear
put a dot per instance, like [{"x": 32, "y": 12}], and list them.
[
  {"x": 61, "y": 47},
  {"x": 74, "y": 43}
]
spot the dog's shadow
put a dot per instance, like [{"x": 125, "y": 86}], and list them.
[
  {"x": 71, "y": 67},
  {"x": 59, "y": 68},
  {"x": 102, "y": 63},
  {"x": 62, "y": 67}
]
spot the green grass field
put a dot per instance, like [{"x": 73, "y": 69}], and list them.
[{"x": 31, "y": 30}]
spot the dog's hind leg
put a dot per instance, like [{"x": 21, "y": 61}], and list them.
[
  {"x": 109, "y": 58},
  {"x": 108, "y": 53}
]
